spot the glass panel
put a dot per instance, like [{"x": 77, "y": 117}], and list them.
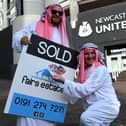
[{"x": 1, "y": 4}]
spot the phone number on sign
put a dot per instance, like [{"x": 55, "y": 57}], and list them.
[{"x": 38, "y": 105}]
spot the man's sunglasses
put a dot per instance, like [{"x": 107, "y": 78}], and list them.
[{"x": 56, "y": 11}]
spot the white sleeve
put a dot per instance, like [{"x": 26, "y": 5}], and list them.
[
  {"x": 70, "y": 99},
  {"x": 28, "y": 31},
  {"x": 94, "y": 82}
]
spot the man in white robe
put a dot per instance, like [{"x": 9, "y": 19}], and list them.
[
  {"x": 94, "y": 86},
  {"x": 52, "y": 26}
]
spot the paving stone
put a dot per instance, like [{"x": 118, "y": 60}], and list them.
[{"x": 74, "y": 111}]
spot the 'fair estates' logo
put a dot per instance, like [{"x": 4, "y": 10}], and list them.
[{"x": 85, "y": 29}]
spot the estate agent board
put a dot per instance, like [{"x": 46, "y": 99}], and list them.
[{"x": 33, "y": 92}]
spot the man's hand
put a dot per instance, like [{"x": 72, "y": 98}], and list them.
[
  {"x": 58, "y": 78},
  {"x": 25, "y": 40}
]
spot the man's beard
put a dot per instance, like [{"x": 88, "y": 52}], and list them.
[{"x": 56, "y": 21}]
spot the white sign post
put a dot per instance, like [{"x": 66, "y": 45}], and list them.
[{"x": 33, "y": 92}]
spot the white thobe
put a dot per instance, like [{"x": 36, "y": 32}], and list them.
[
  {"x": 29, "y": 30},
  {"x": 100, "y": 101}
]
